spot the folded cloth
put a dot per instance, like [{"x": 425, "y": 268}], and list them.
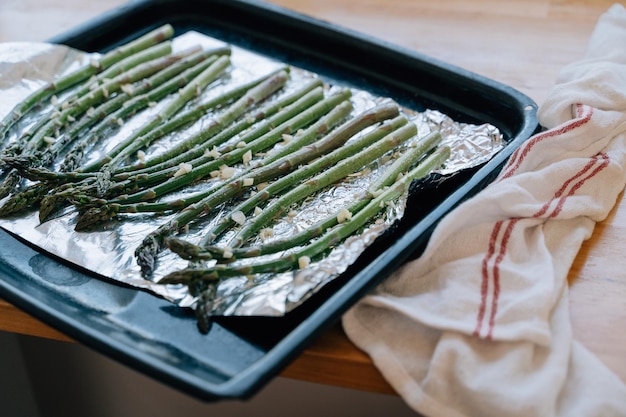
[{"x": 479, "y": 324}]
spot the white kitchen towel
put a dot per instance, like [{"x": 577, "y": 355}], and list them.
[{"x": 479, "y": 324}]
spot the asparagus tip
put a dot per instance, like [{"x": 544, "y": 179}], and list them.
[
  {"x": 182, "y": 248},
  {"x": 94, "y": 215}
]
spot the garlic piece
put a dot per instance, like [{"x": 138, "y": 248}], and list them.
[
  {"x": 213, "y": 153},
  {"x": 343, "y": 215},
  {"x": 266, "y": 233},
  {"x": 247, "y": 157},
  {"x": 238, "y": 217},
  {"x": 226, "y": 172},
  {"x": 304, "y": 261},
  {"x": 183, "y": 168}
]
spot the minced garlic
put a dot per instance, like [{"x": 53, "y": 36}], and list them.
[
  {"x": 213, "y": 153},
  {"x": 343, "y": 215},
  {"x": 183, "y": 168},
  {"x": 238, "y": 217},
  {"x": 128, "y": 89},
  {"x": 266, "y": 233},
  {"x": 247, "y": 157},
  {"x": 304, "y": 261},
  {"x": 226, "y": 172}
]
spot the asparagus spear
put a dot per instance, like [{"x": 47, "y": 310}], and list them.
[
  {"x": 56, "y": 199},
  {"x": 214, "y": 196},
  {"x": 205, "y": 295},
  {"x": 339, "y": 171},
  {"x": 44, "y": 158},
  {"x": 165, "y": 85},
  {"x": 326, "y": 241},
  {"x": 46, "y": 125},
  {"x": 122, "y": 67},
  {"x": 9, "y": 183},
  {"x": 185, "y": 95},
  {"x": 237, "y": 184},
  {"x": 82, "y": 74},
  {"x": 205, "y": 56},
  {"x": 202, "y": 252},
  {"x": 46, "y": 133},
  {"x": 152, "y": 244},
  {"x": 374, "y": 115},
  {"x": 23, "y": 163},
  {"x": 23, "y": 200},
  {"x": 301, "y": 99},
  {"x": 277, "y": 112},
  {"x": 167, "y": 180},
  {"x": 101, "y": 112},
  {"x": 259, "y": 90}
]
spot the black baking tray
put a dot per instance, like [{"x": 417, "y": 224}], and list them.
[{"x": 240, "y": 354}]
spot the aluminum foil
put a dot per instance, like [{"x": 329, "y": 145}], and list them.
[{"x": 109, "y": 251}]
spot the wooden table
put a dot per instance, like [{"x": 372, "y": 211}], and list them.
[{"x": 522, "y": 43}]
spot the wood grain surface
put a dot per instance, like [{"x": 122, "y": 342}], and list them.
[{"x": 521, "y": 43}]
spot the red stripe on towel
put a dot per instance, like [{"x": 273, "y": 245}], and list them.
[
  {"x": 496, "y": 275},
  {"x": 603, "y": 164},
  {"x": 484, "y": 286},
  {"x": 568, "y": 189},
  {"x": 559, "y": 194},
  {"x": 509, "y": 229},
  {"x": 521, "y": 153}
]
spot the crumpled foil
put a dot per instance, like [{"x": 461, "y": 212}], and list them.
[{"x": 109, "y": 252}]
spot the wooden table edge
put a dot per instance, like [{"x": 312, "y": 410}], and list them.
[{"x": 330, "y": 360}]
